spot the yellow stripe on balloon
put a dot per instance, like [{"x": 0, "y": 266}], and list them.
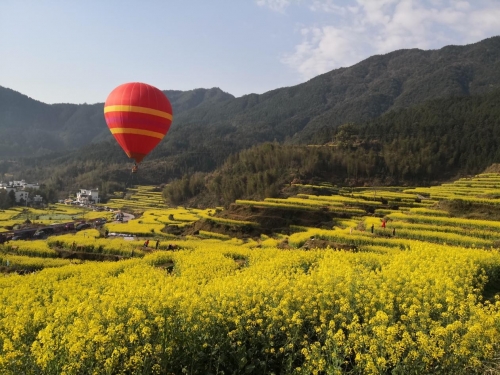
[
  {"x": 137, "y": 131},
  {"x": 131, "y": 108}
]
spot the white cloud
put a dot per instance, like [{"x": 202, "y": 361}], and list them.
[
  {"x": 484, "y": 22},
  {"x": 276, "y": 5},
  {"x": 361, "y": 28},
  {"x": 323, "y": 48},
  {"x": 463, "y": 5},
  {"x": 327, "y": 6}
]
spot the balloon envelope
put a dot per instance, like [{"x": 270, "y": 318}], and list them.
[{"x": 138, "y": 115}]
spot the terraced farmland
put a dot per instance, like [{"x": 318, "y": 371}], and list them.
[
  {"x": 54, "y": 214},
  {"x": 362, "y": 280},
  {"x": 139, "y": 199}
]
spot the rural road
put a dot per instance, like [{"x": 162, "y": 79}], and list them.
[{"x": 126, "y": 217}]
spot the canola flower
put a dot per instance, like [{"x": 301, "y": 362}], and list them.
[
  {"x": 233, "y": 306},
  {"x": 179, "y": 215},
  {"x": 7, "y": 214},
  {"x": 89, "y": 241},
  {"x": 24, "y": 263},
  {"x": 137, "y": 228},
  {"x": 207, "y": 234},
  {"x": 140, "y": 199},
  {"x": 460, "y": 230},
  {"x": 38, "y": 248},
  {"x": 226, "y": 308},
  {"x": 284, "y": 203},
  {"x": 440, "y": 220},
  {"x": 222, "y": 220},
  {"x": 472, "y": 190},
  {"x": 428, "y": 211}
]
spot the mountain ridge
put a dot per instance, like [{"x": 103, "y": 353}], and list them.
[
  {"x": 29, "y": 124},
  {"x": 209, "y": 124}
]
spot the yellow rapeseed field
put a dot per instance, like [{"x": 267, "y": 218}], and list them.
[
  {"x": 224, "y": 308},
  {"x": 417, "y": 297}
]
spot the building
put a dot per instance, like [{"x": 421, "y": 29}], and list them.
[
  {"x": 19, "y": 187},
  {"x": 21, "y": 196},
  {"x": 88, "y": 196}
]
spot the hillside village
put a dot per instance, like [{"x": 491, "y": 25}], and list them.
[
  {"x": 24, "y": 194},
  {"x": 19, "y": 189}
]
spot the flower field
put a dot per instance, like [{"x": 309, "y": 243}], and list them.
[
  {"x": 56, "y": 213},
  {"x": 295, "y": 311},
  {"x": 139, "y": 199},
  {"x": 419, "y": 295}
]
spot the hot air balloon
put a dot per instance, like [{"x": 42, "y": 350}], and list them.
[{"x": 139, "y": 116}]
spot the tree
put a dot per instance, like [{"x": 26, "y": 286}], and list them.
[
  {"x": 4, "y": 199},
  {"x": 12, "y": 198}
]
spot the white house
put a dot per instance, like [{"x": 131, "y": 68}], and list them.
[
  {"x": 21, "y": 195},
  {"x": 87, "y": 196},
  {"x": 19, "y": 187},
  {"x": 31, "y": 186}
]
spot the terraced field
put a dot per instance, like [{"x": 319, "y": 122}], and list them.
[
  {"x": 54, "y": 214},
  {"x": 416, "y": 291},
  {"x": 139, "y": 199}
]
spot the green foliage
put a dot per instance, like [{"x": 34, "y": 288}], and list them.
[
  {"x": 433, "y": 141},
  {"x": 456, "y": 132},
  {"x": 185, "y": 188},
  {"x": 5, "y": 199},
  {"x": 32, "y": 128}
]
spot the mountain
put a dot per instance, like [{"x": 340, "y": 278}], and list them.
[
  {"x": 438, "y": 140},
  {"x": 375, "y": 86},
  {"x": 364, "y": 91},
  {"x": 32, "y": 128},
  {"x": 209, "y": 125}
]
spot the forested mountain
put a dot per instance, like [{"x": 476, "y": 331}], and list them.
[
  {"x": 29, "y": 127},
  {"x": 431, "y": 142},
  {"x": 214, "y": 119},
  {"x": 364, "y": 91},
  {"x": 210, "y": 125},
  {"x": 434, "y": 141}
]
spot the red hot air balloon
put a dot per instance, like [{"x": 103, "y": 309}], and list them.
[{"x": 138, "y": 115}]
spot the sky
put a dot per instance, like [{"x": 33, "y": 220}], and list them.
[{"x": 58, "y": 51}]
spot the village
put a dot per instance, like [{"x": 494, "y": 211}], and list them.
[
  {"x": 19, "y": 189},
  {"x": 24, "y": 195}
]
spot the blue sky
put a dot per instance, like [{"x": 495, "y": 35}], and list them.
[{"x": 77, "y": 51}]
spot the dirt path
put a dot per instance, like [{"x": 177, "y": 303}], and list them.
[{"x": 126, "y": 217}]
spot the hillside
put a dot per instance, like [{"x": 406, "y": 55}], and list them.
[
  {"x": 431, "y": 142},
  {"x": 400, "y": 79},
  {"x": 375, "y": 86},
  {"x": 434, "y": 141},
  {"x": 32, "y": 128},
  {"x": 214, "y": 119},
  {"x": 68, "y": 145}
]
